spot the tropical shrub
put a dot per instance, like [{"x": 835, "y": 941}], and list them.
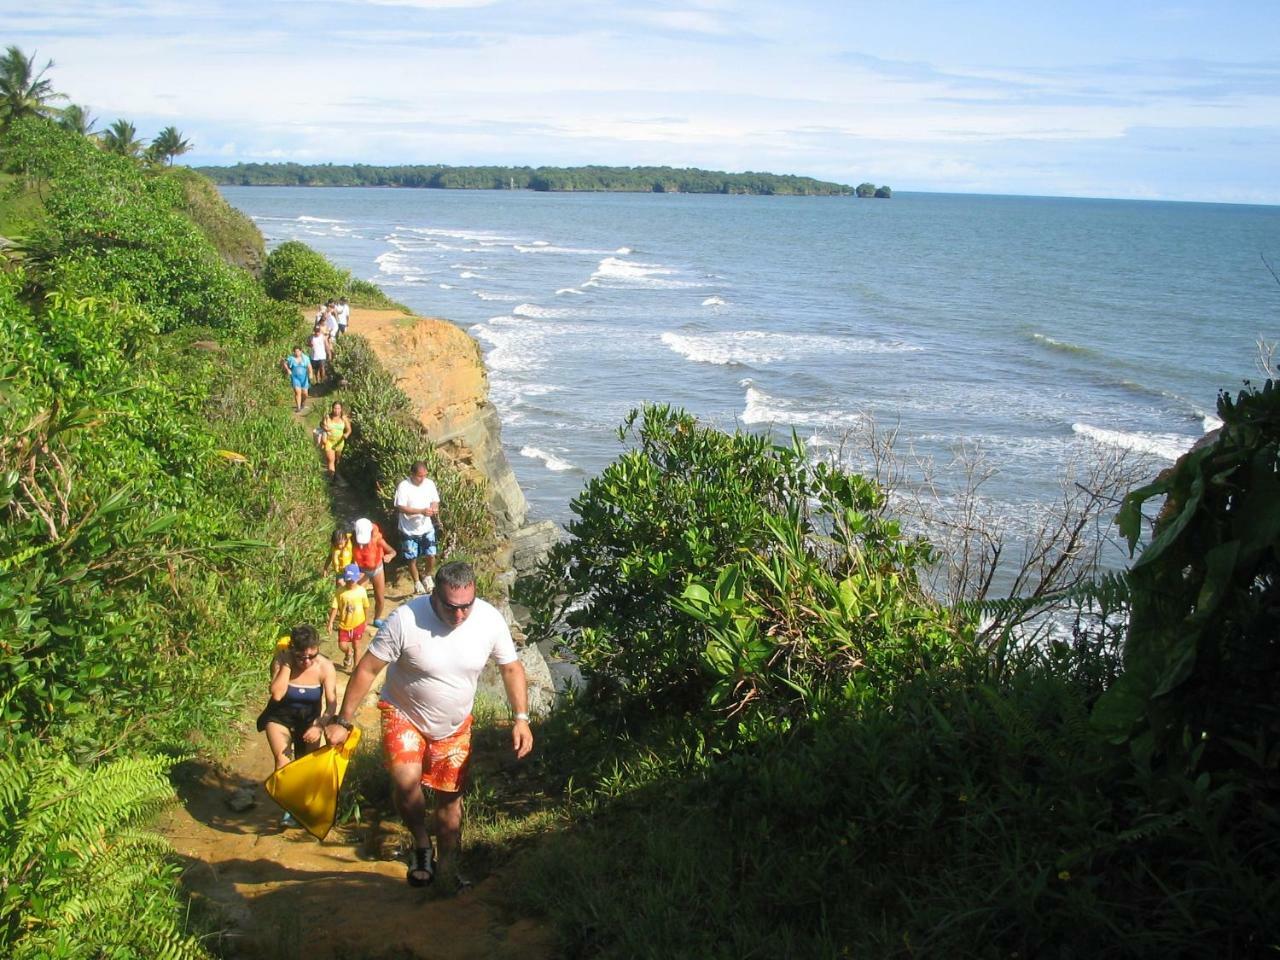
[
  {"x": 134, "y": 614},
  {"x": 707, "y": 570},
  {"x": 113, "y": 230},
  {"x": 80, "y": 876},
  {"x": 297, "y": 274}
]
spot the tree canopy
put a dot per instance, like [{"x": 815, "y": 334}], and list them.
[{"x": 551, "y": 179}]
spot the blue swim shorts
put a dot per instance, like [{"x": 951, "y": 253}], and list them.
[{"x": 414, "y": 547}]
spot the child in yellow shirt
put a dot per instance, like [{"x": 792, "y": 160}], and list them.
[
  {"x": 350, "y": 608},
  {"x": 340, "y": 547}
]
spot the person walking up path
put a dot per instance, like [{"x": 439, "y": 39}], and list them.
[
  {"x": 372, "y": 553},
  {"x": 302, "y": 681},
  {"x": 319, "y": 354},
  {"x": 350, "y": 608},
  {"x": 417, "y": 501},
  {"x": 435, "y": 647},
  {"x": 298, "y": 366},
  {"x": 331, "y": 437}
]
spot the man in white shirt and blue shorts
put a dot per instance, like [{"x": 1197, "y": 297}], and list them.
[
  {"x": 417, "y": 501},
  {"x": 436, "y": 647}
]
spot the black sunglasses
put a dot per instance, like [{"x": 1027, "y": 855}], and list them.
[{"x": 455, "y": 606}]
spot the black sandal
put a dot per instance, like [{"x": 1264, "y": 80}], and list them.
[{"x": 420, "y": 863}]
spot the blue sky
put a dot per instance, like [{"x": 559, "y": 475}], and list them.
[{"x": 1169, "y": 100}]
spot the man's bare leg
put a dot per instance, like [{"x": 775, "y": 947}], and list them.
[
  {"x": 449, "y": 837},
  {"x": 406, "y": 789}
]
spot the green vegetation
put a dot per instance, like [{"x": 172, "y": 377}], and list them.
[
  {"x": 298, "y": 274},
  {"x": 795, "y": 754},
  {"x": 148, "y": 472},
  {"x": 232, "y": 233},
  {"x": 24, "y": 90},
  {"x": 555, "y": 179}
]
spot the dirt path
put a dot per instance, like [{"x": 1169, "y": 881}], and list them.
[{"x": 280, "y": 893}]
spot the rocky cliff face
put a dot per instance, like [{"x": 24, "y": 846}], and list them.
[{"x": 441, "y": 369}]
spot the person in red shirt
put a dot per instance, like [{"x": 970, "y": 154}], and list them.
[{"x": 371, "y": 552}]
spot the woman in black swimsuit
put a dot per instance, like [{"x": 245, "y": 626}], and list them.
[{"x": 301, "y": 680}]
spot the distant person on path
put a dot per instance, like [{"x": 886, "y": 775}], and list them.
[
  {"x": 372, "y": 552},
  {"x": 417, "y": 501},
  {"x": 350, "y": 608},
  {"x": 335, "y": 427},
  {"x": 301, "y": 682},
  {"x": 319, "y": 353},
  {"x": 330, "y": 323},
  {"x": 298, "y": 367},
  {"x": 344, "y": 316},
  {"x": 436, "y": 647}
]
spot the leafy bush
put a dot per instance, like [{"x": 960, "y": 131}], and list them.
[
  {"x": 712, "y": 570},
  {"x": 80, "y": 878},
  {"x": 232, "y": 233},
  {"x": 112, "y": 230},
  {"x": 362, "y": 293},
  {"x": 148, "y": 474},
  {"x": 297, "y": 274}
]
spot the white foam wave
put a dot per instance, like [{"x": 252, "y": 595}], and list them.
[
  {"x": 1170, "y": 446},
  {"x": 624, "y": 251},
  {"x": 541, "y": 246},
  {"x": 763, "y": 409},
  {"x": 568, "y": 290},
  {"x": 470, "y": 236},
  {"x": 761, "y": 346},
  {"x": 496, "y": 297},
  {"x": 714, "y": 302},
  {"x": 1210, "y": 423},
  {"x": 446, "y": 286},
  {"x": 392, "y": 262},
  {"x": 632, "y": 273},
  {"x": 553, "y": 462},
  {"x": 318, "y": 220},
  {"x": 468, "y": 275},
  {"x": 517, "y": 345},
  {"x": 536, "y": 312}
]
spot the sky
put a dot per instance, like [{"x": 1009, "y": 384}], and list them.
[{"x": 1176, "y": 100}]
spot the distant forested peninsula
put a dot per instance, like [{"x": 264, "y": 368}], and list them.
[{"x": 608, "y": 179}]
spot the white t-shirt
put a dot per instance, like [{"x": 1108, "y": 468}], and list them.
[
  {"x": 434, "y": 668},
  {"x": 344, "y": 314},
  {"x": 319, "y": 348},
  {"x": 416, "y": 496},
  {"x": 331, "y": 323}
]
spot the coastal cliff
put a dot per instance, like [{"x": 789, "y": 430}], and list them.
[{"x": 441, "y": 370}]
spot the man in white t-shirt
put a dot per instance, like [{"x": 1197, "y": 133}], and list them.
[
  {"x": 319, "y": 354},
  {"x": 436, "y": 647},
  {"x": 417, "y": 501},
  {"x": 344, "y": 315}
]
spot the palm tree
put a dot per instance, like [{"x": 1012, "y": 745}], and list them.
[
  {"x": 122, "y": 138},
  {"x": 167, "y": 145},
  {"x": 24, "y": 91},
  {"x": 77, "y": 119}
]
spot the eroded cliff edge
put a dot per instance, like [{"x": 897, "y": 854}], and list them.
[{"x": 441, "y": 370}]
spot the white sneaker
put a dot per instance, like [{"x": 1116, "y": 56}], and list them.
[
  {"x": 430, "y": 583},
  {"x": 419, "y": 586}
]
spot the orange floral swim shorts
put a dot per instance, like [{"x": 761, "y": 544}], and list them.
[{"x": 444, "y": 762}]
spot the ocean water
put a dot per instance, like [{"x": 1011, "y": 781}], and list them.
[{"x": 1032, "y": 329}]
